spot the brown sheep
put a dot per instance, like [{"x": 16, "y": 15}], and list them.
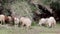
[{"x": 10, "y": 20}]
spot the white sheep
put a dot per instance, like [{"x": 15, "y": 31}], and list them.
[
  {"x": 25, "y": 21},
  {"x": 42, "y": 21},
  {"x": 16, "y": 20},
  {"x": 2, "y": 19},
  {"x": 51, "y": 22}
]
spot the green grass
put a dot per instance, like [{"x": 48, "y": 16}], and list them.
[{"x": 34, "y": 30}]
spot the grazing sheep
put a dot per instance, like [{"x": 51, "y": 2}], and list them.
[
  {"x": 2, "y": 18},
  {"x": 42, "y": 21},
  {"x": 6, "y": 19},
  {"x": 25, "y": 21},
  {"x": 51, "y": 22},
  {"x": 16, "y": 20},
  {"x": 11, "y": 20}
]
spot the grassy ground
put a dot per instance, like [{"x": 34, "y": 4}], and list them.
[{"x": 34, "y": 30}]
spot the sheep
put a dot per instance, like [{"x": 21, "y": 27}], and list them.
[
  {"x": 11, "y": 20},
  {"x": 6, "y": 19},
  {"x": 16, "y": 20},
  {"x": 51, "y": 22},
  {"x": 2, "y": 19},
  {"x": 42, "y": 21},
  {"x": 25, "y": 21}
]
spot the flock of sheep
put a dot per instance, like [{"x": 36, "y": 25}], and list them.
[
  {"x": 25, "y": 21},
  {"x": 50, "y": 22}
]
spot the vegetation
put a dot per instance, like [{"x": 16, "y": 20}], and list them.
[
  {"x": 25, "y": 8},
  {"x": 34, "y": 30}
]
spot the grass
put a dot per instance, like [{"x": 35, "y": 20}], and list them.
[{"x": 34, "y": 30}]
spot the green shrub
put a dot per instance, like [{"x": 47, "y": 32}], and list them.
[{"x": 34, "y": 23}]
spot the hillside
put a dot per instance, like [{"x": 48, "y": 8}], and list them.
[{"x": 27, "y": 8}]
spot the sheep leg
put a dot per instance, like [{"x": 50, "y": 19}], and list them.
[
  {"x": 1, "y": 22},
  {"x": 22, "y": 25},
  {"x": 40, "y": 24},
  {"x": 50, "y": 25},
  {"x": 55, "y": 24}
]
